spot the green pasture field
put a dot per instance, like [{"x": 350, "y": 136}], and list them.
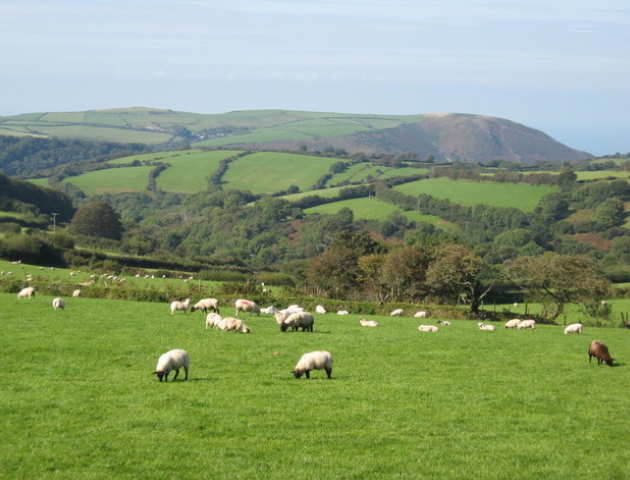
[
  {"x": 360, "y": 171},
  {"x": 113, "y": 180},
  {"x": 40, "y": 182},
  {"x": 375, "y": 209},
  {"x": 190, "y": 173},
  {"x": 269, "y": 172},
  {"x": 517, "y": 195},
  {"x": 103, "y": 134},
  {"x": 324, "y": 192},
  {"x": 62, "y": 275},
  {"x": 601, "y": 174},
  {"x": 79, "y": 399},
  {"x": 154, "y": 157}
]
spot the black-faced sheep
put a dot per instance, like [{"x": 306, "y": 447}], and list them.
[
  {"x": 295, "y": 321},
  {"x": 58, "y": 303}
]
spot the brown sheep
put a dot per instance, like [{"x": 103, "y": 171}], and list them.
[{"x": 600, "y": 351}]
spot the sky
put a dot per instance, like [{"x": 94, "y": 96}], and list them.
[{"x": 562, "y": 67}]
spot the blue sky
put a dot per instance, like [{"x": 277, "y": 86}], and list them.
[{"x": 562, "y": 67}]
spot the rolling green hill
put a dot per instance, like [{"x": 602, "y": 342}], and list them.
[
  {"x": 113, "y": 180},
  {"x": 462, "y": 137}
]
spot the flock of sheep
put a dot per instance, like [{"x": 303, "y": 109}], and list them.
[{"x": 296, "y": 318}]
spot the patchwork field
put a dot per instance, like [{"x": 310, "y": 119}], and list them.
[
  {"x": 112, "y": 180},
  {"x": 190, "y": 173},
  {"x": 517, "y": 195},
  {"x": 361, "y": 171},
  {"x": 79, "y": 400},
  {"x": 375, "y": 209},
  {"x": 599, "y": 174},
  {"x": 269, "y": 172}
]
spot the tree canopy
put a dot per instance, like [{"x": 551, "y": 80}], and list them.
[{"x": 97, "y": 219}]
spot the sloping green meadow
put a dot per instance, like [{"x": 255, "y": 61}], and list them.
[
  {"x": 269, "y": 172},
  {"x": 79, "y": 401},
  {"x": 112, "y": 180},
  {"x": 375, "y": 209},
  {"x": 517, "y": 195}
]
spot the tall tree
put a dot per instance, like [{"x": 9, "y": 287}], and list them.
[
  {"x": 556, "y": 280},
  {"x": 97, "y": 219}
]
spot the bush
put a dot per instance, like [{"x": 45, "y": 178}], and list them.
[
  {"x": 222, "y": 276},
  {"x": 10, "y": 227}
]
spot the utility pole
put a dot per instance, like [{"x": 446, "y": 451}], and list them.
[{"x": 54, "y": 215}]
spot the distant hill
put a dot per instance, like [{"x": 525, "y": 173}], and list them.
[{"x": 461, "y": 137}]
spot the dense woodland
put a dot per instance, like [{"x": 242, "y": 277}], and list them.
[{"x": 395, "y": 259}]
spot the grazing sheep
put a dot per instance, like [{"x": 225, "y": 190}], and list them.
[
  {"x": 243, "y": 305},
  {"x": 512, "y": 323},
  {"x": 600, "y": 351},
  {"x": 28, "y": 292},
  {"x": 235, "y": 324},
  {"x": 58, "y": 303},
  {"x": 172, "y": 360},
  {"x": 445, "y": 323},
  {"x": 270, "y": 310},
  {"x": 396, "y": 313},
  {"x": 76, "y": 293},
  {"x": 368, "y": 323},
  {"x": 428, "y": 328},
  {"x": 319, "y": 309},
  {"x": 343, "y": 312},
  {"x": 420, "y": 314},
  {"x": 526, "y": 324},
  {"x": 318, "y": 360},
  {"x": 488, "y": 328},
  {"x": 573, "y": 328},
  {"x": 295, "y": 321},
  {"x": 294, "y": 309},
  {"x": 177, "y": 305},
  {"x": 214, "y": 320},
  {"x": 206, "y": 304}
]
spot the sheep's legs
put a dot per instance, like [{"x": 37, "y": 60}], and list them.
[
  {"x": 186, "y": 372},
  {"x": 329, "y": 372},
  {"x": 308, "y": 374},
  {"x": 176, "y": 373}
]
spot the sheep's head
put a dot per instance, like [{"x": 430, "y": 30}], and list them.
[
  {"x": 159, "y": 373},
  {"x": 297, "y": 373},
  {"x": 283, "y": 327}
]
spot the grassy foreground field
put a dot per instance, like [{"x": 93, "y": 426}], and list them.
[{"x": 79, "y": 401}]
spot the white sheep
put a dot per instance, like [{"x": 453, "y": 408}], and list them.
[
  {"x": 76, "y": 293},
  {"x": 206, "y": 304},
  {"x": 343, "y": 312},
  {"x": 368, "y": 323},
  {"x": 526, "y": 324},
  {"x": 177, "y": 305},
  {"x": 295, "y": 321},
  {"x": 512, "y": 323},
  {"x": 573, "y": 328},
  {"x": 396, "y": 313},
  {"x": 320, "y": 309},
  {"x": 58, "y": 303},
  {"x": 428, "y": 328},
  {"x": 318, "y": 360},
  {"x": 445, "y": 323},
  {"x": 294, "y": 309},
  {"x": 270, "y": 310},
  {"x": 28, "y": 292},
  {"x": 488, "y": 328},
  {"x": 243, "y": 305},
  {"x": 172, "y": 360},
  {"x": 420, "y": 314},
  {"x": 214, "y": 320},
  {"x": 235, "y": 324}
]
